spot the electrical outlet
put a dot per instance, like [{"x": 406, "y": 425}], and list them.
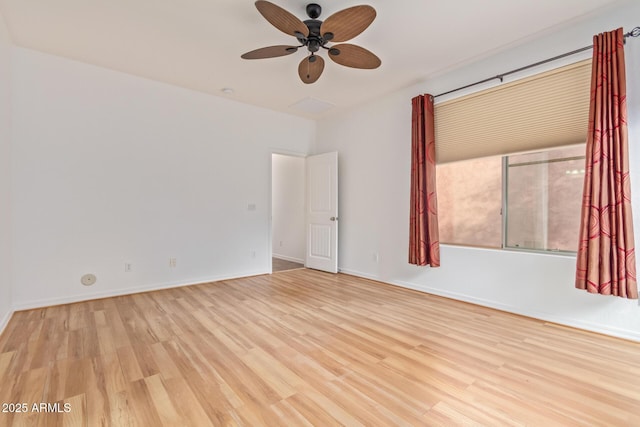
[
  {"x": 376, "y": 257},
  {"x": 128, "y": 267},
  {"x": 253, "y": 254},
  {"x": 280, "y": 243},
  {"x": 173, "y": 262}
]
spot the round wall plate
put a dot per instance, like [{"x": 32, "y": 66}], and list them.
[{"x": 88, "y": 279}]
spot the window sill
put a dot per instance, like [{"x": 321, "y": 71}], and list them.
[
  {"x": 562, "y": 254},
  {"x": 571, "y": 254}
]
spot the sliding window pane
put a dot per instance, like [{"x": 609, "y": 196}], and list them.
[{"x": 544, "y": 193}]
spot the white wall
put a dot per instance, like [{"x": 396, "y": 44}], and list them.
[
  {"x": 5, "y": 176},
  {"x": 374, "y": 144},
  {"x": 288, "y": 187},
  {"x": 111, "y": 169}
]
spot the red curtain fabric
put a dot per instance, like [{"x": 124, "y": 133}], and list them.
[
  {"x": 606, "y": 262},
  {"x": 424, "y": 246}
]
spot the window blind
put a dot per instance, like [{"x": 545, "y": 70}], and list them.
[{"x": 543, "y": 111}]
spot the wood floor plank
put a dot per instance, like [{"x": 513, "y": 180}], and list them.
[
  {"x": 32, "y": 390},
  {"x": 146, "y": 412},
  {"x": 97, "y": 406},
  {"x": 5, "y": 362},
  {"x": 122, "y": 411},
  {"x": 77, "y": 416},
  {"x": 279, "y": 265},
  {"x": 56, "y": 381},
  {"x": 129, "y": 364},
  {"x": 161, "y": 400},
  {"x": 80, "y": 374},
  {"x": 306, "y": 348},
  {"x": 276, "y": 375},
  {"x": 186, "y": 402},
  {"x": 286, "y": 412},
  {"x": 211, "y": 392}
]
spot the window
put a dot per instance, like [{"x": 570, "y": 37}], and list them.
[
  {"x": 490, "y": 197},
  {"x": 524, "y": 201}
]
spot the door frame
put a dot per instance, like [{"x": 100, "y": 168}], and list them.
[{"x": 270, "y": 207}]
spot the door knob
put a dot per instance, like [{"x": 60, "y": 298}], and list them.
[{"x": 333, "y": 218}]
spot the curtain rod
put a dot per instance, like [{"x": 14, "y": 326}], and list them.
[{"x": 633, "y": 33}]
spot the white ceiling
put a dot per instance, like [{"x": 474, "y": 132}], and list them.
[{"x": 197, "y": 43}]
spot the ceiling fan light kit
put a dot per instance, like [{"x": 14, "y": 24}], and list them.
[{"x": 315, "y": 35}]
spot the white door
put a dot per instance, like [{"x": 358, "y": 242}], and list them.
[{"x": 322, "y": 212}]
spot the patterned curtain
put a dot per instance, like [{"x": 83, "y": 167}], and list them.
[
  {"x": 424, "y": 246},
  {"x": 606, "y": 261}
]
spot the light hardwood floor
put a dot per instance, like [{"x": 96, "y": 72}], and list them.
[
  {"x": 309, "y": 348},
  {"x": 278, "y": 265}
]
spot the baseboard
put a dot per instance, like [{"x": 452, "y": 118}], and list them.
[
  {"x": 361, "y": 274},
  {"x": 48, "y": 302},
  {"x": 288, "y": 258},
  {"x": 5, "y": 321},
  {"x": 540, "y": 315}
]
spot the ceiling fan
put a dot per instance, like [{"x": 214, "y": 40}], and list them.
[{"x": 315, "y": 35}]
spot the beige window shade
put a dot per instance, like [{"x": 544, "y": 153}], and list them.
[{"x": 547, "y": 110}]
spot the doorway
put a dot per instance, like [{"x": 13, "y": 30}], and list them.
[{"x": 287, "y": 212}]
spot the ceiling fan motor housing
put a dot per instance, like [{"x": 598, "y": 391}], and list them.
[{"x": 314, "y": 41}]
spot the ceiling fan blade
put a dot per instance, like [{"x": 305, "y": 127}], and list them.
[
  {"x": 281, "y": 19},
  {"x": 270, "y": 52},
  {"x": 310, "y": 72},
  {"x": 348, "y": 23},
  {"x": 351, "y": 55}
]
